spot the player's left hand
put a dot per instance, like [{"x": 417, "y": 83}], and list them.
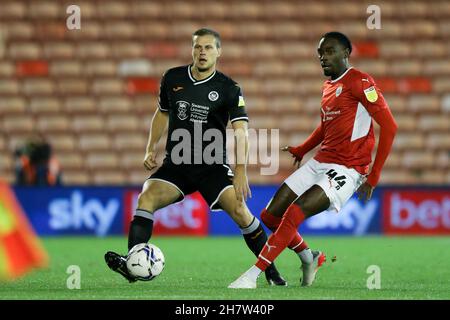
[
  {"x": 241, "y": 186},
  {"x": 364, "y": 192}
]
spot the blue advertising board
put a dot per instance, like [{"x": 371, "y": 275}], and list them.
[
  {"x": 355, "y": 218},
  {"x": 73, "y": 211}
]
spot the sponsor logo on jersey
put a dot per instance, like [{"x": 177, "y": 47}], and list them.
[
  {"x": 182, "y": 107},
  {"x": 371, "y": 94},
  {"x": 213, "y": 96},
  {"x": 241, "y": 102},
  {"x": 338, "y": 91}
]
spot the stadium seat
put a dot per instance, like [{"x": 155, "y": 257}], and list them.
[
  {"x": 104, "y": 160},
  {"x": 62, "y": 142},
  {"x": 142, "y": 85},
  {"x": 441, "y": 85},
  {"x": 395, "y": 49},
  {"x": 409, "y": 141},
  {"x": 110, "y": 177},
  {"x": 122, "y": 30},
  {"x": 25, "y": 50},
  {"x": 44, "y": 105},
  {"x": 20, "y": 30},
  {"x": 65, "y": 68},
  {"x": 94, "y": 142},
  {"x": 434, "y": 123},
  {"x": 9, "y": 86},
  {"x": 58, "y": 50},
  {"x": 76, "y": 177},
  {"x": 114, "y": 104},
  {"x": 74, "y": 86},
  {"x": 45, "y": 9},
  {"x": 115, "y": 123},
  {"x": 109, "y": 86},
  {"x": 13, "y": 10},
  {"x": 84, "y": 123},
  {"x": 53, "y": 123},
  {"x": 424, "y": 103},
  {"x": 17, "y": 123},
  {"x": 80, "y": 104},
  {"x": 93, "y": 50},
  {"x": 417, "y": 160},
  {"x": 7, "y": 69},
  {"x": 365, "y": 49},
  {"x": 436, "y": 67},
  {"x": 438, "y": 141},
  {"x": 13, "y": 104},
  {"x": 70, "y": 160},
  {"x": 126, "y": 140},
  {"x": 113, "y": 9}
]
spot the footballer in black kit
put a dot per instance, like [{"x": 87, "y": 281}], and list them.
[
  {"x": 196, "y": 102},
  {"x": 198, "y": 107}
]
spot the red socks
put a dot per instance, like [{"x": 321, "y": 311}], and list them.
[
  {"x": 272, "y": 222},
  {"x": 285, "y": 235}
]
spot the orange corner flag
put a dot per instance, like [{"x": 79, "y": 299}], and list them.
[{"x": 20, "y": 248}]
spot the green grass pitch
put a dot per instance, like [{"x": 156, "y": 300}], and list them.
[{"x": 202, "y": 268}]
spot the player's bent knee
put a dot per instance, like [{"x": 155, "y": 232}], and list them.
[
  {"x": 241, "y": 215},
  {"x": 148, "y": 201}
]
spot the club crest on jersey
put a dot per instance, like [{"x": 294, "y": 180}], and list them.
[
  {"x": 338, "y": 91},
  {"x": 371, "y": 94},
  {"x": 213, "y": 96},
  {"x": 182, "y": 107}
]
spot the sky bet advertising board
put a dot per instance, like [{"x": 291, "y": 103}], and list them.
[{"x": 102, "y": 211}]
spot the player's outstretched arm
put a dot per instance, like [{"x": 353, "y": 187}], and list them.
[
  {"x": 240, "y": 180},
  {"x": 388, "y": 129},
  {"x": 313, "y": 141},
  {"x": 159, "y": 125}
]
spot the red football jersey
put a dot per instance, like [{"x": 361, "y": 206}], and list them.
[{"x": 348, "y": 103}]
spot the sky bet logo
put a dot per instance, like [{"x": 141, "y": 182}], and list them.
[{"x": 76, "y": 213}]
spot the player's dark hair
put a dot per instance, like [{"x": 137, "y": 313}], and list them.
[
  {"x": 342, "y": 38},
  {"x": 206, "y": 31}
]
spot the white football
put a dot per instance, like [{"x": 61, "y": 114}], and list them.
[{"x": 145, "y": 261}]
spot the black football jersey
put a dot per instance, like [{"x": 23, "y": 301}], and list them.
[{"x": 199, "y": 111}]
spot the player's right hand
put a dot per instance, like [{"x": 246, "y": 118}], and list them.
[
  {"x": 150, "y": 160},
  {"x": 297, "y": 158}
]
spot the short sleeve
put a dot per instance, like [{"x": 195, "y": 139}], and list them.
[
  {"x": 163, "y": 101},
  {"x": 237, "y": 108},
  {"x": 369, "y": 95}
]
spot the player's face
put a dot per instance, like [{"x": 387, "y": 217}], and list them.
[
  {"x": 333, "y": 57},
  {"x": 204, "y": 52}
]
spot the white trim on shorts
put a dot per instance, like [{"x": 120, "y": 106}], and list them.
[
  {"x": 218, "y": 197},
  {"x": 172, "y": 184}
]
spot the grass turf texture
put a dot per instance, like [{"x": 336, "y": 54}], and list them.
[{"x": 202, "y": 268}]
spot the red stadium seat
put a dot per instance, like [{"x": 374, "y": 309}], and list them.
[
  {"x": 365, "y": 49},
  {"x": 161, "y": 50},
  {"x": 142, "y": 85},
  {"x": 32, "y": 68}
]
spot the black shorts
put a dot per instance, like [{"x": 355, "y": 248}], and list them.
[{"x": 209, "y": 180}]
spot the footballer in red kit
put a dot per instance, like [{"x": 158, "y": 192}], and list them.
[{"x": 350, "y": 100}]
